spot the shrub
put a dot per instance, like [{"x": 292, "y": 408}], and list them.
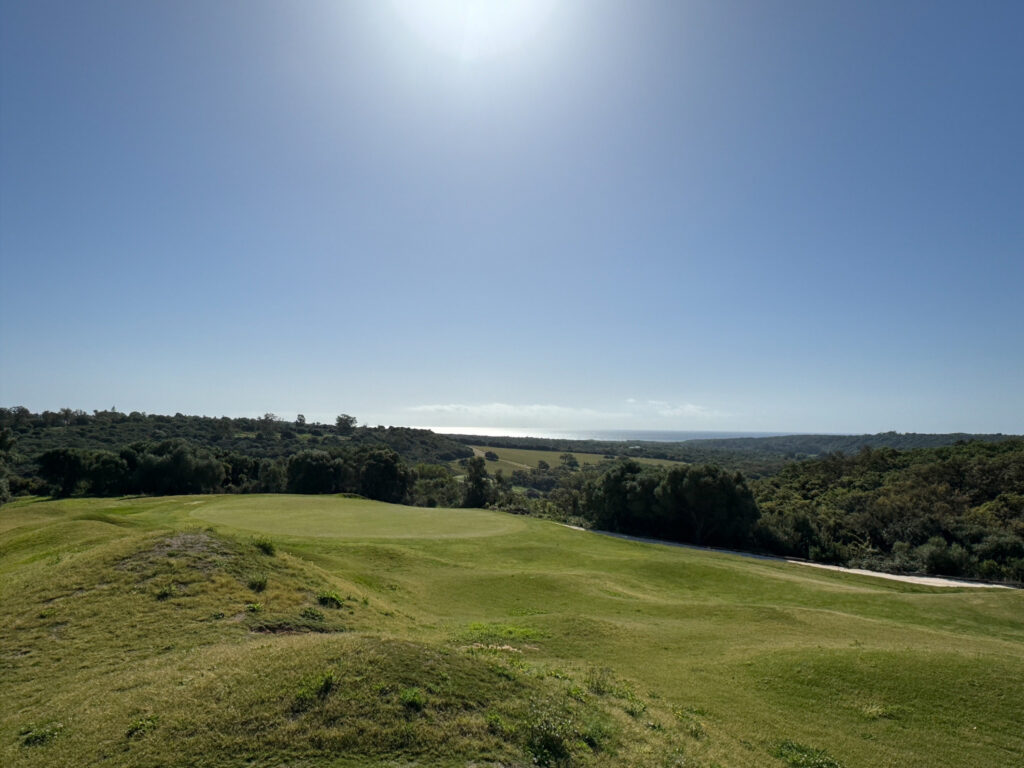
[
  {"x": 600, "y": 681},
  {"x": 314, "y": 689},
  {"x": 38, "y": 735},
  {"x": 163, "y": 593},
  {"x": 312, "y": 614},
  {"x": 548, "y": 736},
  {"x": 798, "y": 756},
  {"x": 254, "y": 607},
  {"x": 264, "y": 545},
  {"x": 635, "y": 706},
  {"x": 330, "y": 599},
  {"x": 596, "y": 734},
  {"x": 496, "y": 724},
  {"x": 141, "y": 726},
  {"x": 258, "y": 583},
  {"x": 413, "y": 699}
]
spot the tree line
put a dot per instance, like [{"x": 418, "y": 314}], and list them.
[{"x": 956, "y": 510}]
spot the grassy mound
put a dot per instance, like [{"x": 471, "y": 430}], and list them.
[
  {"x": 224, "y": 631},
  {"x": 196, "y": 648}
]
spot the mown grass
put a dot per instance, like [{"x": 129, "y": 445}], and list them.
[{"x": 456, "y": 636}]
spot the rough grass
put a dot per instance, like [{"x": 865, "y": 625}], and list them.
[{"x": 478, "y": 638}]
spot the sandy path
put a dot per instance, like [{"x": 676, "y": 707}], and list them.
[{"x": 930, "y": 581}]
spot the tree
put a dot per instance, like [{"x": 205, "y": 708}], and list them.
[
  {"x": 344, "y": 424},
  {"x": 382, "y": 476},
  {"x": 569, "y": 461},
  {"x": 268, "y": 424},
  {"x": 64, "y": 469},
  {"x": 313, "y": 472},
  {"x": 478, "y": 484},
  {"x": 300, "y": 420}
]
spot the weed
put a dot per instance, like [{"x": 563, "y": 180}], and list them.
[
  {"x": 254, "y": 607},
  {"x": 217, "y": 616},
  {"x": 163, "y": 593},
  {"x": 596, "y": 734},
  {"x": 38, "y": 735},
  {"x": 496, "y": 724},
  {"x": 548, "y": 736},
  {"x": 141, "y": 726},
  {"x": 635, "y": 706},
  {"x": 879, "y": 712},
  {"x": 481, "y": 632},
  {"x": 800, "y": 756},
  {"x": 258, "y": 583},
  {"x": 688, "y": 717},
  {"x": 314, "y": 689},
  {"x": 413, "y": 699},
  {"x": 312, "y": 614},
  {"x": 600, "y": 681},
  {"x": 576, "y": 692},
  {"x": 264, "y": 545},
  {"x": 330, "y": 599}
]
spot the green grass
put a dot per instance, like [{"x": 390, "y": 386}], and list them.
[
  {"x": 449, "y": 637},
  {"x": 512, "y": 459}
]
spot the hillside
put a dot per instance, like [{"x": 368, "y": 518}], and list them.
[
  {"x": 219, "y": 630},
  {"x": 754, "y": 456},
  {"x": 268, "y": 437},
  {"x": 801, "y": 446}
]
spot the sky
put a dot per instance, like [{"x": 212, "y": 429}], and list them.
[{"x": 579, "y": 214}]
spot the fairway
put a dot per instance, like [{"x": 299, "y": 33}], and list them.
[
  {"x": 347, "y": 518},
  {"x": 449, "y": 625}
]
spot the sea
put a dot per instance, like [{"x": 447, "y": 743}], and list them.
[{"x": 612, "y": 435}]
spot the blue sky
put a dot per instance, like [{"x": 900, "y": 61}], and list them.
[{"x": 792, "y": 216}]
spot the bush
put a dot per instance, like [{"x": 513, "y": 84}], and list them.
[
  {"x": 413, "y": 699},
  {"x": 37, "y": 735},
  {"x": 798, "y": 756},
  {"x": 548, "y": 736},
  {"x": 265, "y": 545},
  {"x": 600, "y": 681},
  {"x": 314, "y": 689},
  {"x": 141, "y": 726},
  {"x": 330, "y": 599},
  {"x": 312, "y": 614},
  {"x": 258, "y": 583}
]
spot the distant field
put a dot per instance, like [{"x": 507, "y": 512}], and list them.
[
  {"x": 161, "y": 632},
  {"x": 511, "y": 459}
]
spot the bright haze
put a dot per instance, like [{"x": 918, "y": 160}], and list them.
[{"x": 794, "y": 216}]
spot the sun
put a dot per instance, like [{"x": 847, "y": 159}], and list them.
[{"x": 474, "y": 29}]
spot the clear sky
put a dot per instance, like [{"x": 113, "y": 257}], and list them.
[{"x": 761, "y": 215}]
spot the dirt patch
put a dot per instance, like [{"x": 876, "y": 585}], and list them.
[{"x": 199, "y": 549}]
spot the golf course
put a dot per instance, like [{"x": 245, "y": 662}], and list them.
[{"x": 278, "y": 630}]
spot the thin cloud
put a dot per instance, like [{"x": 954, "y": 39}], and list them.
[
  {"x": 669, "y": 410},
  {"x": 543, "y": 414}
]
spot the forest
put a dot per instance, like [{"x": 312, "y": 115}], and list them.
[{"x": 954, "y": 510}]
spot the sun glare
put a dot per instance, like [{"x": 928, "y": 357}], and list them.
[{"x": 474, "y": 29}]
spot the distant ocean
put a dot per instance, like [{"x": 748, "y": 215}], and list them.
[{"x": 615, "y": 435}]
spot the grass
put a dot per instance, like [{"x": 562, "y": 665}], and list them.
[{"x": 466, "y": 636}]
